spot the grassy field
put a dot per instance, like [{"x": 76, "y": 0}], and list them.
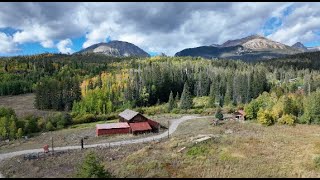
[
  {"x": 235, "y": 150},
  {"x": 23, "y": 105}
]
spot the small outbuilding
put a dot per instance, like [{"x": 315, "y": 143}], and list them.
[
  {"x": 112, "y": 128},
  {"x": 239, "y": 115}
]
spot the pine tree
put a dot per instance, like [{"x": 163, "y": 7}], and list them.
[
  {"x": 171, "y": 103},
  {"x": 92, "y": 168},
  {"x": 177, "y": 98},
  {"x": 212, "y": 96},
  {"x": 219, "y": 114},
  {"x": 186, "y": 99}
]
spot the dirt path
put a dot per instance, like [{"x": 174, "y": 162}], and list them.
[{"x": 173, "y": 126}]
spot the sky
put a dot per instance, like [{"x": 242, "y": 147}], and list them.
[{"x": 156, "y": 27}]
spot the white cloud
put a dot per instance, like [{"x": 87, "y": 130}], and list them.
[
  {"x": 6, "y": 44},
  {"x": 300, "y": 25},
  {"x": 47, "y": 44},
  {"x": 64, "y": 46},
  {"x": 162, "y": 27}
]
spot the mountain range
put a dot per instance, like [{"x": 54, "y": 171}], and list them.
[{"x": 250, "y": 48}]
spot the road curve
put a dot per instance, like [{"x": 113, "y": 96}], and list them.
[{"x": 173, "y": 126}]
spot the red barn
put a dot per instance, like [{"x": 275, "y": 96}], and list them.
[
  {"x": 112, "y": 128},
  {"x": 130, "y": 122},
  {"x": 135, "y": 117}
]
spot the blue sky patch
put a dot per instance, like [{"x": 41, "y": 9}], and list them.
[
  {"x": 271, "y": 25},
  {"x": 8, "y": 30}
]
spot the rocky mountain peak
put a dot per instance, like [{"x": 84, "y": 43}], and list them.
[{"x": 115, "y": 48}]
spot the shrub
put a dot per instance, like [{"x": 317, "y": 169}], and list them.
[
  {"x": 84, "y": 119},
  {"x": 41, "y": 123},
  {"x": 208, "y": 111},
  {"x": 175, "y": 111},
  {"x": 31, "y": 125},
  {"x": 265, "y": 117},
  {"x": 304, "y": 119},
  {"x": 155, "y": 110},
  {"x": 198, "y": 150},
  {"x": 92, "y": 168},
  {"x": 19, "y": 133},
  {"x": 104, "y": 117},
  {"x": 49, "y": 126},
  {"x": 287, "y": 119},
  {"x": 317, "y": 161},
  {"x": 229, "y": 109},
  {"x": 7, "y": 112}
]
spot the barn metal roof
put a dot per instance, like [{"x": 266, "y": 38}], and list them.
[
  {"x": 112, "y": 125},
  {"x": 140, "y": 126},
  {"x": 128, "y": 114}
]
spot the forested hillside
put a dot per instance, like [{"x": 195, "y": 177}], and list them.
[{"x": 91, "y": 87}]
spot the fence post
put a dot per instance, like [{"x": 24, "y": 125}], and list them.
[{"x": 168, "y": 128}]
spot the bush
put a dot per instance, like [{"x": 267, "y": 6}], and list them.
[
  {"x": 201, "y": 102},
  {"x": 84, "y": 119},
  {"x": 155, "y": 110},
  {"x": 7, "y": 112},
  {"x": 139, "y": 109},
  {"x": 230, "y": 109},
  {"x": 198, "y": 150},
  {"x": 265, "y": 117},
  {"x": 193, "y": 111},
  {"x": 287, "y": 119},
  {"x": 49, "y": 126},
  {"x": 41, "y": 123},
  {"x": 208, "y": 111},
  {"x": 31, "y": 125},
  {"x": 92, "y": 168},
  {"x": 304, "y": 119},
  {"x": 317, "y": 161},
  {"x": 104, "y": 117},
  {"x": 175, "y": 111}
]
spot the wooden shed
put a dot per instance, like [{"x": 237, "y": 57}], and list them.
[
  {"x": 239, "y": 115},
  {"x": 112, "y": 128}
]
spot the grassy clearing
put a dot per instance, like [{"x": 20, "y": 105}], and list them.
[
  {"x": 236, "y": 150},
  {"x": 23, "y": 105}
]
